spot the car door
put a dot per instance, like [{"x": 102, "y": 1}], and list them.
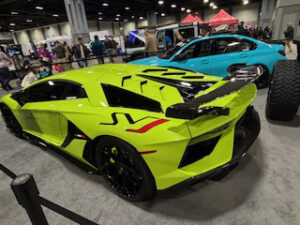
[
  {"x": 40, "y": 111},
  {"x": 228, "y": 51},
  {"x": 194, "y": 57}
]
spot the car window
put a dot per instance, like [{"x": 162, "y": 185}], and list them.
[
  {"x": 75, "y": 92},
  {"x": 160, "y": 36},
  {"x": 118, "y": 97},
  {"x": 168, "y": 54},
  {"x": 46, "y": 91},
  {"x": 187, "y": 33},
  {"x": 232, "y": 45},
  {"x": 198, "y": 49}
]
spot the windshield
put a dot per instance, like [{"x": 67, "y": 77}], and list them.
[{"x": 168, "y": 54}]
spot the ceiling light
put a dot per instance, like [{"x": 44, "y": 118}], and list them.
[
  {"x": 117, "y": 19},
  {"x": 12, "y": 24},
  {"x": 173, "y": 6},
  {"x": 245, "y": 2},
  {"x": 55, "y": 15},
  {"x": 100, "y": 13},
  {"x": 127, "y": 8},
  {"x": 141, "y": 18},
  {"x": 125, "y": 20},
  {"x": 205, "y": 1},
  {"x": 105, "y": 4},
  {"x": 182, "y": 9},
  {"x": 118, "y": 15},
  {"x": 14, "y": 13},
  {"x": 188, "y": 10},
  {"x": 11, "y": 30},
  {"x": 39, "y": 7},
  {"x": 156, "y": 13},
  {"x": 211, "y": 4},
  {"x": 163, "y": 14},
  {"x": 161, "y": 2},
  {"x": 132, "y": 17},
  {"x": 215, "y": 7},
  {"x": 100, "y": 18},
  {"x": 29, "y": 21}
]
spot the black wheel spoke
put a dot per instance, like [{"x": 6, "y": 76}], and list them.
[{"x": 120, "y": 171}]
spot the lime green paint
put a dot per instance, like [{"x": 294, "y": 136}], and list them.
[{"x": 48, "y": 120}]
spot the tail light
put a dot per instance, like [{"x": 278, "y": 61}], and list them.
[
  {"x": 282, "y": 52},
  {"x": 149, "y": 126}
]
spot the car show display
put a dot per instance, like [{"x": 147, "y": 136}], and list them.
[{"x": 113, "y": 118}]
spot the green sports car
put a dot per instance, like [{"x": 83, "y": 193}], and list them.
[{"x": 143, "y": 128}]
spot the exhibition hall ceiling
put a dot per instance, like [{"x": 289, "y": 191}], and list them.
[{"x": 22, "y": 14}]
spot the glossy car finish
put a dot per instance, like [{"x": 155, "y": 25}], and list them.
[
  {"x": 74, "y": 110},
  {"x": 216, "y": 54}
]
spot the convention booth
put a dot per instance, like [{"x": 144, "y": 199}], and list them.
[{"x": 222, "y": 18}]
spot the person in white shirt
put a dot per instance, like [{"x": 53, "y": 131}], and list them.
[{"x": 5, "y": 75}]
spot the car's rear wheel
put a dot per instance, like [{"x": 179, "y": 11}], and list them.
[
  {"x": 284, "y": 92},
  {"x": 124, "y": 169},
  {"x": 11, "y": 122}
]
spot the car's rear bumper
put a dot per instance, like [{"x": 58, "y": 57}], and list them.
[{"x": 246, "y": 131}]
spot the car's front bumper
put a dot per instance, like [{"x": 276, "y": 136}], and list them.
[{"x": 246, "y": 131}]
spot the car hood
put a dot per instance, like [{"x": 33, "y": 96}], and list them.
[{"x": 150, "y": 61}]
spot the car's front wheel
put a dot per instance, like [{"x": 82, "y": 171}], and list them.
[
  {"x": 11, "y": 122},
  {"x": 124, "y": 169}
]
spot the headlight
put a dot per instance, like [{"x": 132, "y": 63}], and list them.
[{"x": 245, "y": 72}]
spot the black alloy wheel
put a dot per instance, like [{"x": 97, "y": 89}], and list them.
[
  {"x": 11, "y": 122},
  {"x": 124, "y": 169}
]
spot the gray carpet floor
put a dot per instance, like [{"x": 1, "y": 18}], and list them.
[{"x": 263, "y": 190}]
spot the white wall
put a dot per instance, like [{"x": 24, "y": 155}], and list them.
[
  {"x": 37, "y": 35},
  {"x": 51, "y": 31},
  {"x": 5, "y": 35},
  {"x": 166, "y": 19},
  {"x": 129, "y": 26},
  {"x": 92, "y": 26},
  {"x": 142, "y": 23},
  {"x": 247, "y": 13},
  {"x": 65, "y": 29},
  {"x": 24, "y": 41}
]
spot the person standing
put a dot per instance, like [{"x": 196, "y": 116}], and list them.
[
  {"x": 5, "y": 75},
  {"x": 109, "y": 48},
  {"x": 289, "y": 35},
  {"x": 81, "y": 53},
  {"x": 69, "y": 54},
  {"x": 151, "y": 46},
  {"x": 128, "y": 43},
  {"x": 45, "y": 57},
  {"x": 60, "y": 56},
  {"x": 98, "y": 49}
]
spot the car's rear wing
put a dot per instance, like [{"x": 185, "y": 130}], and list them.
[{"x": 237, "y": 80}]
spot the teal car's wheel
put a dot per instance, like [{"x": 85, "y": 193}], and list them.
[
  {"x": 11, "y": 122},
  {"x": 124, "y": 169}
]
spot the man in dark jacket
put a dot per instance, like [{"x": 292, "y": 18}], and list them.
[
  {"x": 242, "y": 31},
  {"x": 81, "y": 53},
  {"x": 98, "y": 49},
  {"x": 289, "y": 35},
  {"x": 109, "y": 48}
]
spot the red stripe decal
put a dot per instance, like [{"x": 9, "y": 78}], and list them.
[
  {"x": 148, "y": 126},
  {"x": 148, "y": 152}
]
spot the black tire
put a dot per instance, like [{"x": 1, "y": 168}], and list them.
[
  {"x": 11, "y": 122},
  {"x": 124, "y": 169},
  {"x": 284, "y": 92}
]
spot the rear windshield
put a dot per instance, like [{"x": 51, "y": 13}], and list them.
[{"x": 168, "y": 54}]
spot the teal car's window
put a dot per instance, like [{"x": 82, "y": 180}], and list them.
[
  {"x": 118, "y": 97},
  {"x": 46, "y": 91},
  {"x": 168, "y": 54},
  {"x": 232, "y": 45},
  {"x": 198, "y": 49}
]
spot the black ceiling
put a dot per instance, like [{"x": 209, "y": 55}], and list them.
[{"x": 26, "y": 10}]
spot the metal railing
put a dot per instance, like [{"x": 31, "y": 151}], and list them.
[{"x": 27, "y": 194}]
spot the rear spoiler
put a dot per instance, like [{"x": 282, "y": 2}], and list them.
[{"x": 237, "y": 80}]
